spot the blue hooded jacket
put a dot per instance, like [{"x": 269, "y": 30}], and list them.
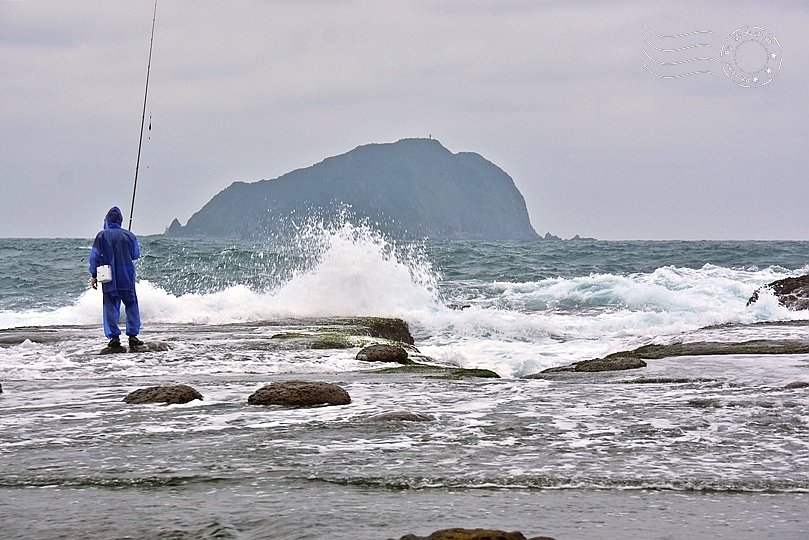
[{"x": 116, "y": 247}]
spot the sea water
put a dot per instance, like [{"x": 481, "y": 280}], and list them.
[{"x": 722, "y": 453}]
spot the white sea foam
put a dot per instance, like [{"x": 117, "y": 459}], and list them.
[{"x": 513, "y": 328}]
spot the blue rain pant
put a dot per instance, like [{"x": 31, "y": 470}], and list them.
[{"x": 112, "y": 312}]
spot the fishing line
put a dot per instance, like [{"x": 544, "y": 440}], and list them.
[{"x": 143, "y": 118}]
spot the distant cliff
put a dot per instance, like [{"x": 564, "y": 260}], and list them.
[{"x": 410, "y": 188}]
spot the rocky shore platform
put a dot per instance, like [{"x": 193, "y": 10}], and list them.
[{"x": 350, "y": 409}]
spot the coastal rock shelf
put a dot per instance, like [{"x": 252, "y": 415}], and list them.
[{"x": 300, "y": 333}]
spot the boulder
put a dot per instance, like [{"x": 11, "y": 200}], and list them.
[
  {"x": 299, "y": 394},
  {"x": 392, "y": 329},
  {"x": 401, "y": 416},
  {"x": 383, "y": 353},
  {"x": 473, "y": 534},
  {"x": 171, "y": 395},
  {"x": 792, "y": 292}
]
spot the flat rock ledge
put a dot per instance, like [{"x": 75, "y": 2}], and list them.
[
  {"x": 473, "y": 534},
  {"x": 170, "y": 395},
  {"x": 389, "y": 328},
  {"x": 713, "y": 348},
  {"x": 615, "y": 363},
  {"x": 401, "y": 416},
  {"x": 635, "y": 358},
  {"x": 792, "y": 292},
  {"x": 299, "y": 394},
  {"x": 152, "y": 346},
  {"x": 383, "y": 353},
  {"x": 431, "y": 371}
]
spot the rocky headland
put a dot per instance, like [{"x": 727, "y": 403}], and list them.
[{"x": 413, "y": 188}]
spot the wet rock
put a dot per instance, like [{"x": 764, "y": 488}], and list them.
[
  {"x": 666, "y": 380},
  {"x": 340, "y": 332},
  {"x": 113, "y": 350},
  {"x": 392, "y": 329},
  {"x": 330, "y": 343},
  {"x": 171, "y": 395},
  {"x": 792, "y": 292},
  {"x": 791, "y": 386},
  {"x": 468, "y": 373},
  {"x": 299, "y": 394},
  {"x": 380, "y": 327},
  {"x": 710, "y": 348},
  {"x": 401, "y": 416},
  {"x": 1, "y": 388},
  {"x": 617, "y": 363},
  {"x": 16, "y": 336},
  {"x": 634, "y": 358},
  {"x": 153, "y": 346},
  {"x": 609, "y": 363},
  {"x": 383, "y": 353},
  {"x": 414, "y": 368},
  {"x": 473, "y": 534},
  {"x": 705, "y": 403}
]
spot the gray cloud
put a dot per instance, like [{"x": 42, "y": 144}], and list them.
[{"x": 553, "y": 92}]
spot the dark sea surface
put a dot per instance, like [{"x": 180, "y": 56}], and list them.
[{"x": 721, "y": 450}]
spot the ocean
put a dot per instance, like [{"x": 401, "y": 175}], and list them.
[{"x": 687, "y": 447}]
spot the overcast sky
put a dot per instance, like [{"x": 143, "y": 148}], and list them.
[{"x": 555, "y": 93}]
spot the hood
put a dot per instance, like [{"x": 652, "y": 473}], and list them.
[{"x": 113, "y": 217}]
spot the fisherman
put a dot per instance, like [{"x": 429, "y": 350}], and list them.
[{"x": 117, "y": 247}]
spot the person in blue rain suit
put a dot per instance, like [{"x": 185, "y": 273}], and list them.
[{"x": 118, "y": 248}]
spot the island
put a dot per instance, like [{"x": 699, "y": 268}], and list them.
[{"x": 412, "y": 188}]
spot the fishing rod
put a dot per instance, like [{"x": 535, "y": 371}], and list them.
[{"x": 143, "y": 117}]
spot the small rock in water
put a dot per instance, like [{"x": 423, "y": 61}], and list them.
[
  {"x": 790, "y": 386},
  {"x": 153, "y": 346},
  {"x": 171, "y": 395},
  {"x": 112, "y": 350},
  {"x": 473, "y": 534},
  {"x": 299, "y": 394},
  {"x": 464, "y": 373},
  {"x": 611, "y": 363},
  {"x": 705, "y": 403},
  {"x": 401, "y": 416},
  {"x": 383, "y": 353}
]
